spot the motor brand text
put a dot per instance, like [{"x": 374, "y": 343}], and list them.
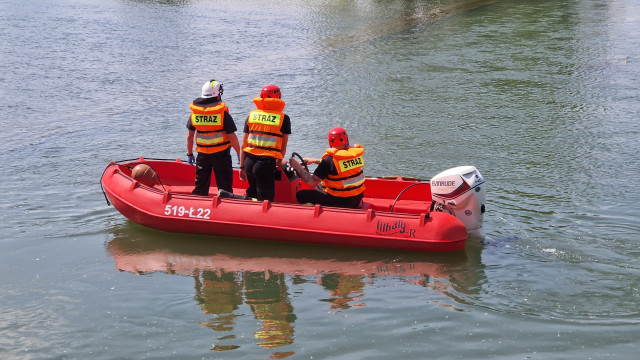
[{"x": 443, "y": 183}]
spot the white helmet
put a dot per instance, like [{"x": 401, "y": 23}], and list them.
[{"x": 212, "y": 89}]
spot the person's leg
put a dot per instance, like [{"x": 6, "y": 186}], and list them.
[
  {"x": 310, "y": 197},
  {"x": 264, "y": 170},
  {"x": 353, "y": 202},
  {"x": 324, "y": 199},
  {"x": 223, "y": 170},
  {"x": 249, "y": 165},
  {"x": 203, "y": 174}
]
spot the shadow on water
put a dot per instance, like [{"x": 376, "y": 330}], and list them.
[{"x": 230, "y": 273}]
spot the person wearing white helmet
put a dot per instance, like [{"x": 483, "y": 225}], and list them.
[
  {"x": 212, "y": 129},
  {"x": 339, "y": 173}
]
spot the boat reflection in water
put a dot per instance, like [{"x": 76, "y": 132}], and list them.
[{"x": 230, "y": 273}]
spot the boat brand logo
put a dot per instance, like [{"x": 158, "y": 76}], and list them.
[{"x": 393, "y": 228}]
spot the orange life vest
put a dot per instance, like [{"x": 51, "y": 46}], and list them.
[
  {"x": 265, "y": 123},
  {"x": 209, "y": 121},
  {"x": 350, "y": 178}
]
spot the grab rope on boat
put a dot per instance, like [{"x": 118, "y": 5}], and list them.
[{"x": 405, "y": 189}]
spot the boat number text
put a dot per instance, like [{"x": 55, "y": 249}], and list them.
[{"x": 197, "y": 213}]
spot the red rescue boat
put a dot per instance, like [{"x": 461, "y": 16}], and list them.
[{"x": 397, "y": 213}]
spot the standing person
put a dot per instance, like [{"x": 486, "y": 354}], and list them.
[
  {"x": 264, "y": 143},
  {"x": 339, "y": 172},
  {"x": 214, "y": 131}
]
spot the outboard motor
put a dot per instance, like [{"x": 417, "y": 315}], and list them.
[{"x": 461, "y": 192}]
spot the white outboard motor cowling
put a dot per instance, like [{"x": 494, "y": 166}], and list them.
[{"x": 461, "y": 192}]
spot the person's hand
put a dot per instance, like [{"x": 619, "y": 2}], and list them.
[
  {"x": 242, "y": 175},
  {"x": 295, "y": 165},
  {"x": 192, "y": 159}
]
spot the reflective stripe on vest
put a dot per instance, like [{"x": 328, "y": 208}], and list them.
[
  {"x": 262, "y": 141},
  {"x": 215, "y": 139},
  {"x": 356, "y": 181}
]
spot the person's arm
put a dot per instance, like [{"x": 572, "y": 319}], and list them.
[
  {"x": 190, "y": 136},
  {"x": 234, "y": 143},
  {"x": 230, "y": 128},
  {"x": 309, "y": 179},
  {"x": 285, "y": 140},
  {"x": 245, "y": 139},
  {"x": 311, "y": 160}
]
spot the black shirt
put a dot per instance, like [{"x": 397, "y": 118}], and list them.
[{"x": 325, "y": 168}]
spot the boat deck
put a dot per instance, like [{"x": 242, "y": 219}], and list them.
[{"x": 380, "y": 193}]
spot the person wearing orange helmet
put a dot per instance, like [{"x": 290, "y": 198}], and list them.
[
  {"x": 339, "y": 173},
  {"x": 213, "y": 129},
  {"x": 264, "y": 143}
]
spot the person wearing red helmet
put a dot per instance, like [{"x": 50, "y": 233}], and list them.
[
  {"x": 214, "y": 132},
  {"x": 339, "y": 173},
  {"x": 264, "y": 143}
]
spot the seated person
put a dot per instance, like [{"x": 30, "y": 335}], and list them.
[{"x": 339, "y": 174}]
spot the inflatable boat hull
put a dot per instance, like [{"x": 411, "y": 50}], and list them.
[{"x": 169, "y": 206}]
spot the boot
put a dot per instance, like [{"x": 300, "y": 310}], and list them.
[{"x": 225, "y": 194}]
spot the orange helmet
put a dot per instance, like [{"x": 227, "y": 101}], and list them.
[
  {"x": 270, "y": 92},
  {"x": 337, "y": 137}
]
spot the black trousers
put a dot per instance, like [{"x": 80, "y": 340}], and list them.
[
  {"x": 220, "y": 164},
  {"x": 260, "y": 172},
  {"x": 324, "y": 199}
]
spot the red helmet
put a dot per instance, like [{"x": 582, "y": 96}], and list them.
[
  {"x": 337, "y": 137},
  {"x": 270, "y": 92}
]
